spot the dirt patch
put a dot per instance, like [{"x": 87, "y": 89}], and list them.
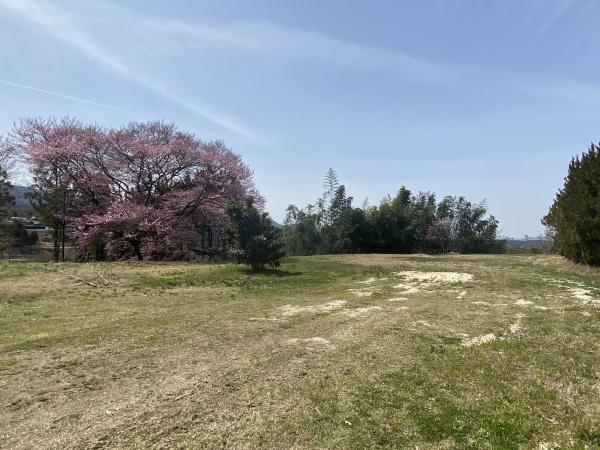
[
  {"x": 317, "y": 340},
  {"x": 419, "y": 281},
  {"x": 479, "y": 340},
  {"x": 294, "y": 310},
  {"x": 436, "y": 277},
  {"x": 371, "y": 280},
  {"x": 407, "y": 288},
  {"x": 522, "y": 302},
  {"x": 581, "y": 294},
  {"x": 515, "y": 327},
  {"x": 362, "y": 312},
  {"x": 575, "y": 289},
  {"x": 397, "y": 299},
  {"x": 362, "y": 292},
  {"x": 548, "y": 446}
]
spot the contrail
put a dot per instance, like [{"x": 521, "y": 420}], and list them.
[
  {"x": 75, "y": 99},
  {"x": 62, "y": 24}
]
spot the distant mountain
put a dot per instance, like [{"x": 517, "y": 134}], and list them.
[
  {"x": 22, "y": 204},
  {"x": 18, "y": 192},
  {"x": 276, "y": 224},
  {"x": 527, "y": 243}
]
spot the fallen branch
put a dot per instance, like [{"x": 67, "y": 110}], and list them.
[
  {"x": 77, "y": 278},
  {"x": 99, "y": 271}
]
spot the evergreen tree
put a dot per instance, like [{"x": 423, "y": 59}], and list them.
[
  {"x": 7, "y": 161},
  {"x": 52, "y": 202},
  {"x": 336, "y": 233},
  {"x": 360, "y": 230},
  {"x": 259, "y": 241},
  {"x": 574, "y": 217},
  {"x": 330, "y": 187},
  {"x": 6, "y": 202}
]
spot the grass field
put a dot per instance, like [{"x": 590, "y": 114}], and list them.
[{"x": 362, "y": 351}]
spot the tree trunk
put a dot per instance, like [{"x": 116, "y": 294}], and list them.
[
  {"x": 64, "y": 224},
  {"x": 62, "y": 242},
  {"x": 137, "y": 251},
  {"x": 55, "y": 241}
]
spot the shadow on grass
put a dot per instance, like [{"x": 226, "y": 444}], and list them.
[{"x": 271, "y": 272}]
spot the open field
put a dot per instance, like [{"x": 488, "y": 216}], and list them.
[{"x": 330, "y": 352}]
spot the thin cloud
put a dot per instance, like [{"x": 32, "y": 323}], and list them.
[
  {"x": 75, "y": 99},
  {"x": 65, "y": 27},
  {"x": 558, "y": 10},
  {"x": 573, "y": 91},
  {"x": 294, "y": 44}
]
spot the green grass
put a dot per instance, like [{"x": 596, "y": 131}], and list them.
[{"x": 181, "y": 355}]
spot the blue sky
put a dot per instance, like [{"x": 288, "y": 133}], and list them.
[{"x": 487, "y": 99}]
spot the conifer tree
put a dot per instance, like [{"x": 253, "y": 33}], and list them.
[
  {"x": 6, "y": 200},
  {"x": 259, "y": 241},
  {"x": 574, "y": 217}
]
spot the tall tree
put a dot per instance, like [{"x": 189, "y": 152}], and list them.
[
  {"x": 6, "y": 200},
  {"x": 259, "y": 242},
  {"x": 574, "y": 217},
  {"x": 336, "y": 233},
  {"x": 424, "y": 206},
  {"x": 330, "y": 186},
  {"x": 394, "y": 223},
  {"x": 6, "y": 163}
]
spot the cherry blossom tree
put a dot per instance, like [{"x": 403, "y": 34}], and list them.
[
  {"x": 439, "y": 233},
  {"x": 137, "y": 191}
]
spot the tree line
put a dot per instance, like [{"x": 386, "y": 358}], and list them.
[
  {"x": 152, "y": 191},
  {"x": 406, "y": 223}
]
